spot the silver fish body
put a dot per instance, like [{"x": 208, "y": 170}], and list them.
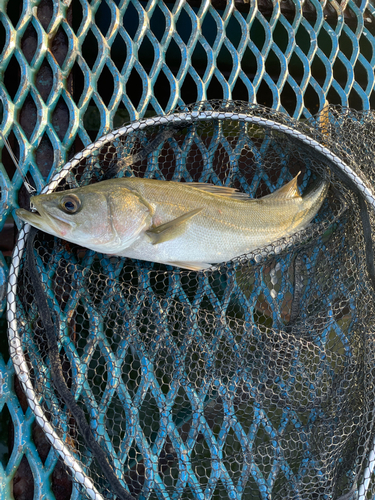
[{"x": 189, "y": 225}]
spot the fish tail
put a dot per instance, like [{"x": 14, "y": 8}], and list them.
[
  {"x": 317, "y": 192},
  {"x": 313, "y": 200}
]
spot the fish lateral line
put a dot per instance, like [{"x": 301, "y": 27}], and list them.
[{"x": 212, "y": 229}]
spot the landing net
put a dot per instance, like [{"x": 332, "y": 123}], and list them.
[{"x": 253, "y": 379}]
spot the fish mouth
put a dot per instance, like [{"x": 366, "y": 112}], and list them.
[{"x": 44, "y": 221}]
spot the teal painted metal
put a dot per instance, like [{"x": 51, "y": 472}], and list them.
[{"x": 105, "y": 62}]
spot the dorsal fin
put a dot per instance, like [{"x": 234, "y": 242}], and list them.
[
  {"x": 219, "y": 190},
  {"x": 286, "y": 192}
]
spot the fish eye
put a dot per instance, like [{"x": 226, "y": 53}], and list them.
[{"x": 71, "y": 204}]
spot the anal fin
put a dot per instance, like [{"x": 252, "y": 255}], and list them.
[{"x": 192, "y": 266}]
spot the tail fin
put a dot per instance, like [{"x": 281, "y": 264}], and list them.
[{"x": 313, "y": 199}]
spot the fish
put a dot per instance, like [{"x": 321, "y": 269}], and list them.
[{"x": 190, "y": 225}]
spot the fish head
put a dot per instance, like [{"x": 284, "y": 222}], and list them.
[{"x": 105, "y": 217}]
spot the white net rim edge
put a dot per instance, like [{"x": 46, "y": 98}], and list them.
[
  {"x": 16, "y": 352},
  {"x": 22, "y": 371}
]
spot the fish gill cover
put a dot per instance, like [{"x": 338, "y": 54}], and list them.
[{"x": 251, "y": 379}]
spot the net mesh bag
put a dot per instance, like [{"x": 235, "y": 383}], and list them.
[{"x": 253, "y": 379}]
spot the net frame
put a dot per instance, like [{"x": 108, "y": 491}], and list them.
[{"x": 310, "y": 138}]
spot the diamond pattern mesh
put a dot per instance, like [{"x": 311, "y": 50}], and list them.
[
  {"x": 253, "y": 379},
  {"x": 72, "y": 70}
]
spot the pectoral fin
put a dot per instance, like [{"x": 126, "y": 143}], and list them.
[{"x": 171, "y": 229}]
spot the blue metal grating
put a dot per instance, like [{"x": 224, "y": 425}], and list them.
[
  {"x": 70, "y": 71},
  {"x": 232, "y": 300}
]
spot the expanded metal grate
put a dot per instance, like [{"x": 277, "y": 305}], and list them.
[
  {"x": 251, "y": 379},
  {"x": 74, "y": 70}
]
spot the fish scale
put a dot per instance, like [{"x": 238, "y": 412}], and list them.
[{"x": 189, "y": 225}]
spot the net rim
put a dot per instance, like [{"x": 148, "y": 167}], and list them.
[
  {"x": 16, "y": 352},
  {"x": 358, "y": 180}
]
